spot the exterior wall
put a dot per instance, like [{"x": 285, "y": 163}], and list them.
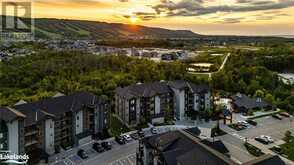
[
  {"x": 3, "y": 135},
  {"x": 196, "y": 102},
  {"x": 49, "y": 136},
  {"x": 138, "y": 110},
  {"x": 158, "y": 120},
  {"x": 181, "y": 100},
  {"x": 100, "y": 118},
  {"x": 126, "y": 111},
  {"x": 157, "y": 104},
  {"x": 178, "y": 101},
  {"x": 79, "y": 122},
  {"x": 207, "y": 100},
  {"x": 13, "y": 136}
]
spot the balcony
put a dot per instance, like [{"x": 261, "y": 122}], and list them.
[
  {"x": 31, "y": 142},
  {"x": 29, "y": 133},
  {"x": 157, "y": 115}
]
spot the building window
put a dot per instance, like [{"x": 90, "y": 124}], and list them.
[
  {"x": 78, "y": 126},
  {"x": 78, "y": 118},
  {"x": 1, "y": 146},
  {"x": 1, "y": 135},
  {"x": 133, "y": 101}
]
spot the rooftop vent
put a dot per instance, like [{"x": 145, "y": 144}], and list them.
[
  {"x": 258, "y": 100},
  {"x": 139, "y": 83},
  {"x": 239, "y": 95},
  {"x": 20, "y": 102}
]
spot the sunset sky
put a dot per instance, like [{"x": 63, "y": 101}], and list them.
[{"x": 233, "y": 17}]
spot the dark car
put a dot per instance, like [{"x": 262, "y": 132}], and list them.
[
  {"x": 141, "y": 134},
  {"x": 285, "y": 114},
  {"x": 254, "y": 123},
  {"x": 120, "y": 140},
  {"x": 98, "y": 147},
  {"x": 106, "y": 145},
  {"x": 81, "y": 153},
  {"x": 277, "y": 117},
  {"x": 261, "y": 140}
]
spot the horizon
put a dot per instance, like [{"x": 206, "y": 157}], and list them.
[{"x": 205, "y": 17}]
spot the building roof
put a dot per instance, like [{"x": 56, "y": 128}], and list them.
[
  {"x": 144, "y": 90},
  {"x": 176, "y": 148},
  {"x": 181, "y": 84},
  {"x": 51, "y": 107},
  {"x": 8, "y": 114},
  {"x": 241, "y": 100},
  {"x": 155, "y": 88}
]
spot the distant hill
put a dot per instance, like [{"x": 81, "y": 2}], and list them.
[{"x": 61, "y": 29}]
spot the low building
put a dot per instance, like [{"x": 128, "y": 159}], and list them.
[
  {"x": 61, "y": 121},
  {"x": 183, "y": 148},
  {"x": 154, "y": 102},
  {"x": 242, "y": 103}
]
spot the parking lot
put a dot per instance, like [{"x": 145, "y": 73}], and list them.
[
  {"x": 128, "y": 160},
  {"x": 269, "y": 126},
  {"x": 118, "y": 155}
]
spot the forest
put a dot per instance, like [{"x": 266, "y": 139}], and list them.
[{"x": 43, "y": 74}]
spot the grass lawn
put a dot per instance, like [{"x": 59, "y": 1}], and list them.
[
  {"x": 116, "y": 127},
  {"x": 288, "y": 148}
]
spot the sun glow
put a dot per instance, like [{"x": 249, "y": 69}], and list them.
[{"x": 133, "y": 19}]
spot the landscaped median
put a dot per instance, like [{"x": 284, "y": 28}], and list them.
[
  {"x": 253, "y": 150},
  {"x": 263, "y": 114}
]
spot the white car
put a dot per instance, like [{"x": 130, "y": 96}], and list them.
[
  {"x": 153, "y": 130},
  {"x": 268, "y": 138},
  {"x": 127, "y": 137}
]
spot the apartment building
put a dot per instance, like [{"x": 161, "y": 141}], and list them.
[
  {"x": 190, "y": 98},
  {"x": 153, "y": 102},
  {"x": 148, "y": 102},
  {"x": 61, "y": 121}
]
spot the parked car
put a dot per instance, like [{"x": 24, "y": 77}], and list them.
[
  {"x": 81, "y": 153},
  {"x": 120, "y": 140},
  {"x": 261, "y": 140},
  {"x": 285, "y": 114},
  {"x": 268, "y": 138},
  {"x": 127, "y": 138},
  {"x": 254, "y": 123},
  {"x": 153, "y": 130},
  {"x": 277, "y": 116},
  {"x": 135, "y": 136},
  {"x": 245, "y": 123},
  {"x": 98, "y": 147},
  {"x": 141, "y": 134},
  {"x": 106, "y": 145}
]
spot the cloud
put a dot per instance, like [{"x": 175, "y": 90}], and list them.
[
  {"x": 197, "y": 7},
  {"x": 230, "y": 20},
  {"x": 145, "y": 16}
]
